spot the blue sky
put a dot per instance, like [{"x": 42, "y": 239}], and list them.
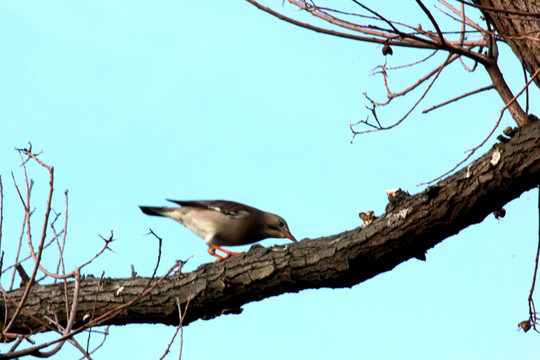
[{"x": 135, "y": 102}]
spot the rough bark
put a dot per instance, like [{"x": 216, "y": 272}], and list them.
[
  {"x": 518, "y": 22},
  {"x": 342, "y": 260}
]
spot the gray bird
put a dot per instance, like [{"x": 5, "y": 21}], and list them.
[{"x": 224, "y": 223}]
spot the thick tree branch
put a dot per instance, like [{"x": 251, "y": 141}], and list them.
[{"x": 341, "y": 260}]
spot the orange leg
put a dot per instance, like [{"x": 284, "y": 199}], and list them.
[{"x": 212, "y": 251}]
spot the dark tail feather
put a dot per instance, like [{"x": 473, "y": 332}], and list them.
[{"x": 152, "y": 210}]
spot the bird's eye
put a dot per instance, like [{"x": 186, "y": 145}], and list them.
[{"x": 281, "y": 224}]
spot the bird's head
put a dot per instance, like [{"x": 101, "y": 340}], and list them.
[{"x": 276, "y": 227}]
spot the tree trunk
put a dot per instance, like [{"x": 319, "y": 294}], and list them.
[
  {"x": 408, "y": 230},
  {"x": 518, "y": 22}
]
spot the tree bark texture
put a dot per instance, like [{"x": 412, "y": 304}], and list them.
[
  {"x": 518, "y": 22},
  {"x": 407, "y": 230}
]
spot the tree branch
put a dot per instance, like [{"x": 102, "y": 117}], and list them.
[{"x": 341, "y": 260}]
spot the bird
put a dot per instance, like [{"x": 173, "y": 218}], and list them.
[{"x": 224, "y": 223}]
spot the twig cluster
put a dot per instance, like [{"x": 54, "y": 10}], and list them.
[
  {"x": 468, "y": 40},
  {"x": 66, "y": 330}
]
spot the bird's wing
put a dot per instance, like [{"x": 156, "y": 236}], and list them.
[{"x": 230, "y": 208}]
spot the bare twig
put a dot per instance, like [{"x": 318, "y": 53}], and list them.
[
  {"x": 71, "y": 320},
  {"x": 105, "y": 247},
  {"x": 105, "y": 334},
  {"x": 532, "y": 308},
  {"x": 17, "y": 253},
  {"x": 87, "y": 352},
  {"x": 49, "y": 243},
  {"x": 182, "y": 317},
  {"x": 62, "y": 245},
  {"x": 27, "y": 213},
  {"x": 16, "y": 344},
  {"x": 433, "y": 21},
  {"x": 415, "y": 37},
  {"x": 461, "y": 14},
  {"x": 317, "y": 28},
  {"x": 473, "y": 150},
  {"x": 22, "y": 274},
  {"x": 526, "y": 91},
  {"x": 440, "y": 68},
  {"x": 48, "y": 209},
  {"x": 42, "y": 241},
  {"x": 466, "y": 67},
  {"x": 458, "y": 98},
  {"x": 75, "y": 343},
  {"x": 179, "y": 328},
  {"x": 160, "y": 241},
  {"x": 409, "y": 64},
  {"x": 380, "y": 17},
  {"x": 391, "y": 95},
  {"x": 463, "y": 17}
]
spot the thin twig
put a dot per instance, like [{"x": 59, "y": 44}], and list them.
[
  {"x": 37, "y": 258},
  {"x": 373, "y": 34},
  {"x": 76, "y": 345},
  {"x": 526, "y": 91},
  {"x": 87, "y": 352},
  {"x": 49, "y": 243},
  {"x": 182, "y": 317},
  {"x": 473, "y": 150},
  {"x": 18, "y": 252},
  {"x": 409, "y": 64},
  {"x": 179, "y": 328},
  {"x": 391, "y": 95},
  {"x": 463, "y": 17},
  {"x": 16, "y": 344},
  {"x": 100, "y": 282},
  {"x": 433, "y": 21},
  {"x": 160, "y": 241},
  {"x": 315, "y": 28},
  {"x": 61, "y": 245},
  {"x": 27, "y": 213},
  {"x": 105, "y": 334},
  {"x": 90, "y": 330},
  {"x": 70, "y": 322},
  {"x": 380, "y": 17},
  {"x": 458, "y": 98},
  {"x": 471, "y": 23},
  {"x": 387, "y": 35},
  {"x": 440, "y": 68},
  {"x": 105, "y": 247},
  {"x": 532, "y": 308},
  {"x": 40, "y": 248}
]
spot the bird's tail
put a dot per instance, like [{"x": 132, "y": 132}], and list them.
[{"x": 156, "y": 211}]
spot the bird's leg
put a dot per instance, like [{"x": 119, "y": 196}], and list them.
[{"x": 212, "y": 251}]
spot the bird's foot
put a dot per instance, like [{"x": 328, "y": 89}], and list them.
[{"x": 212, "y": 251}]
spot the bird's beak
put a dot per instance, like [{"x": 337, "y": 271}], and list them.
[{"x": 289, "y": 235}]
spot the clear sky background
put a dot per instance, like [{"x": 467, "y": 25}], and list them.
[{"x": 135, "y": 102}]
